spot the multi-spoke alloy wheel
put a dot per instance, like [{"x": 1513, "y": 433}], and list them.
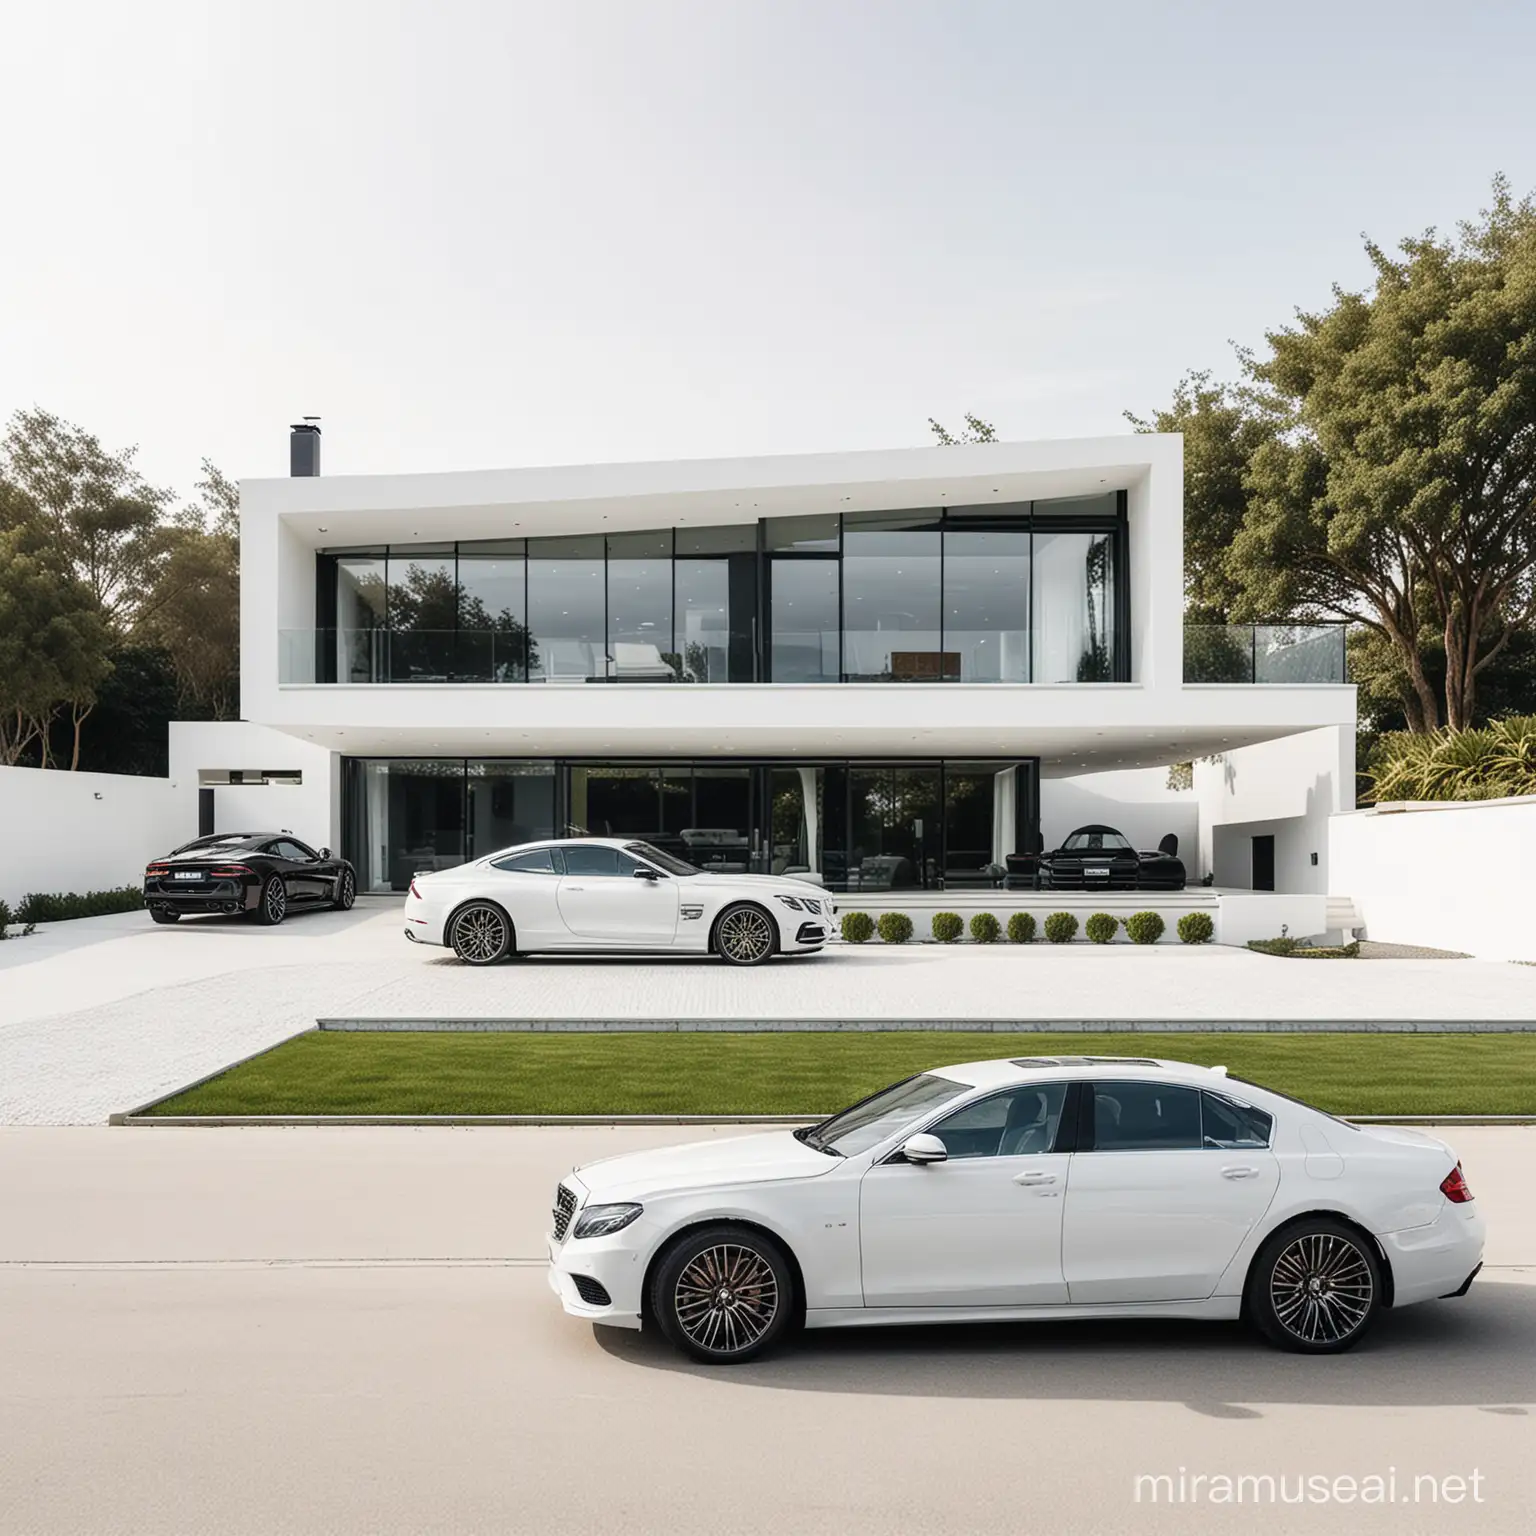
[
  {"x": 723, "y": 1294},
  {"x": 346, "y": 891},
  {"x": 745, "y": 935},
  {"x": 481, "y": 934},
  {"x": 273, "y": 907},
  {"x": 1316, "y": 1287}
]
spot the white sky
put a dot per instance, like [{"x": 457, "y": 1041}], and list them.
[{"x": 473, "y": 233}]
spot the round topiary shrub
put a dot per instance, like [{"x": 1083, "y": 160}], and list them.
[
  {"x": 947, "y": 927},
  {"x": 1021, "y": 928},
  {"x": 1144, "y": 927},
  {"x": 1196, "y": 928},
  {"x": 894, "y": 927},
  {"x": 985, "y": 928},
  {"x": 857, "y": 927},
  {"x": 1101, "y": 927},
  {"x": 1061, "y": 927}
]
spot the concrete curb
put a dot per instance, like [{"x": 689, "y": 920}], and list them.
[{"x": 887, "y": 1025}]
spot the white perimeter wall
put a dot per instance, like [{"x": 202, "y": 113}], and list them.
[
  {"x": 80, "y": 832},
  {"x": 1137, "y": 801},
  {"x": 1289, "y": 789},
  {"x": 1451, "y": 876},
  {"x": 311, "y": 809}
]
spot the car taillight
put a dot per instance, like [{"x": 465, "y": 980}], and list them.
[
  {"x": 1454, "y": 1187},
  {"x": 157, "y": 869},
  {"x": 230, "y": 870},
  {"x": 414, "y": 892}
]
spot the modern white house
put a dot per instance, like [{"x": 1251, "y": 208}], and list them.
[{"x": 885, "y": 671}]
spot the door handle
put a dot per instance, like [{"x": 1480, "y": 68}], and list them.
[
  {"x": 1239, "y": 1171},
  {"x": 1034, "y": 1178},
  {"x": 575, "y": 887}
]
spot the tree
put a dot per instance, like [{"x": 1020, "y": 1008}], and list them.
[
  {"x": 53, "y": 646},
  {"x": 975, "y": 431},
  {"x": 1399, "y": 489},
  {"x": 105, "y": 518}
]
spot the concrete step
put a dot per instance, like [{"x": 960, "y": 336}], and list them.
[{"x": 1343, "y": 915}]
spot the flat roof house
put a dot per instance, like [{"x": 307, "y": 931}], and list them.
[{"x": 870, "y": 668}]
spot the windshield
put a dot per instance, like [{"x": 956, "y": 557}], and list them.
[
  {"x": 878, "y": 1118},
  {"x": 667, "y": 861},
  {"x": 1096, "y": 840}
]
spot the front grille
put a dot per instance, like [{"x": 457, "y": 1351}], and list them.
[
  {"x": 565, "y": 1208},
  {"x": 591, "y": 1292}
]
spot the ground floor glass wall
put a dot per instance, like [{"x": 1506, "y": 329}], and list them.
[{"x": 851, "y": 825}]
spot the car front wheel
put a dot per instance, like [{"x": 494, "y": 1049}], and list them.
[
  {"x": 480, "y": 934},
  {"x": 273, "y": 906},
  {"x": 723, "y": 1294},
  {"x": 1315, "y": 1287},
  {"x": 346, "y": 891},
  {"x": 746, "y": 935}
]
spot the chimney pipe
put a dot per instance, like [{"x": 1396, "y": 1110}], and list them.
[{"x": 304, "y": 447}]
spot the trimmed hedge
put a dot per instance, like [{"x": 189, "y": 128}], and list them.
[
  {"x": 1196, "y": 928},
  {"x": 894, "y": 927},
  {"x": 947, "y": 927},
  {"x": 60, "y": 906},
  {"x": 1294, "y": 949},
  {"x": 1101, "y": 927},
  {"x": 857, "y": 927},
  {"x": 985, "y": 928},
  {"x": 1061, "y": 927},
  {"x": 1144, "y": 927},
  {"x": 1021, "y": 928}
]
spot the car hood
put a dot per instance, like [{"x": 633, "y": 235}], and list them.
[{"x": 758, "y": 1159}]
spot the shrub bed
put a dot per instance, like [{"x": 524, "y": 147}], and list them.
[
  {"x": 1101, "y": 927},
  {"x": 985, "y": 928},
  {"x": 1021, "y": 928},
  {"x": 1294, "y": 949},
  {"x": 857, "y": 927},
  {"x": 60, "y": 906},
  {"x": 1144, "y": 927},
  {"x": 1061, "y": 927},
  {"x": 947, "y": 927},
  {"x": 1196, "y": 928},
  {"x": 894, "y": 927}
]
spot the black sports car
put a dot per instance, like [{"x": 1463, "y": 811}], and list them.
[
  {"x": 265, "y": 875},
  {"x": 1096, "y": 858}
]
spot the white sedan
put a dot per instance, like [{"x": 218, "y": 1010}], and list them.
[
  {"x": 1039, "y": 1187},
  {"x": 608, "y": 894}
]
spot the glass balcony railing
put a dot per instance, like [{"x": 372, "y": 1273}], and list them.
[{"x": 1264, "y": 653}]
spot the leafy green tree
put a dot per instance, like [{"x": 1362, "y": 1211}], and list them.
[
  {"x": 975, "y": 431},
  {"x": 1398, "y": 491}
]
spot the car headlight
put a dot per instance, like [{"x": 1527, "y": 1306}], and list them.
[
  {"x": 605, "y": 1220},
  {"x": 790, "y": 901}
]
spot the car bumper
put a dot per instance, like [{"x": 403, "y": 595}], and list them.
[
  {"x": 189, "y": 902},
  {"x": 1438, "y": 1259},
  {"x": 604, "y": 1262}
]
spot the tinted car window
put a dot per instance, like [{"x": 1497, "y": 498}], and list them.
[
  {"x": 590, "y": 859},
  {"x": 536, "y": 861},
  {"x": 1225, "y": 1124},
  {"x": 1106, "y": 841},
  {"x": 1144, "y": 1117},
  {"x": 284, "y": 848},
  {"x": 1012, "y": 1124},
  {"x": 857, "y": 1129}
]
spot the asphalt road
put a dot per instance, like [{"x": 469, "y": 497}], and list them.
[{"x": 348, "y": 1331}]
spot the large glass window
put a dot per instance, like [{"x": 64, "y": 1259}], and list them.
[
  {"x": 894, "y": 829},
  {"x": 493, "y": 613},
  {"x": 980, "y": 821},
  {"x": 804, "y": 600},
  {"x": 640, "y": 608},
  {"x": 567, "y": 604},
  {"x": 507, "y": 803},
  {"x": 423, "y": 614},
  {"x": 407, "y": 818},
  {"x": 1074, "y": 612},
  {"x": 891, "y": 600},
  {"x": 715, "y": 589},
  {"x": 986, "y": 601},
  {"x": 361, "y": 587}
]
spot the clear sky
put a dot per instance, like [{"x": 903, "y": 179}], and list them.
[{"x": 473, "y": 233}]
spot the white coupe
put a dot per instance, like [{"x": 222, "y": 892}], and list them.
[
  {"x": 608, "y": 894},
  {"x": 1039, "y": 1187}
]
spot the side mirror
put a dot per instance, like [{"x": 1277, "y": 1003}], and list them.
[
  {"x": 325, "y": 853},
  {"x": 645, "y": 872},
  {"x": 923, "y": 1148}
]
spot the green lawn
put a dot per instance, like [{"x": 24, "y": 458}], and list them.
[{"x": 794, "y": 1073}]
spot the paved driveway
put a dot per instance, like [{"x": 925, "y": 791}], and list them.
[
  {"x": 103, "y": 1014},
  {"x": 327, "y": 1331}
]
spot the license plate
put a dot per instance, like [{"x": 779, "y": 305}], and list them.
[
  {"x": 187, "y": 874},
  {"x": 1097, "y": 871}
]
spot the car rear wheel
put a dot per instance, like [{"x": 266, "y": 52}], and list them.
[
  {"x": 723, "y": 1294},
  {"x": 1315, "y": 1287},
  {"x": 156, "y": 915},
  {"x": 480, "y": 934},
  {"x": 273, "y": 906},
  {"x": 346, "y": 891},
  {"x": 745, "y": 935}
]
